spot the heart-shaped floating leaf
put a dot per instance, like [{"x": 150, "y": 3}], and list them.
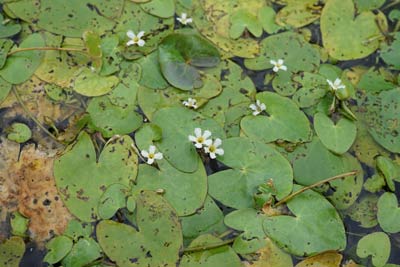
[
  {"x": 82, "y": 253},
  {"x": 177, "y": 123},
  {"x": 389, "y": 213},
  {"x": 185, "y": 192},
  {"x": 112, "y": 200},
  {"x": 157, "y": 242},
  {"x": 390, "y": 171},
  {"x": 313, "y": 88},
  {"x": 180, "y": 54},
  {"x": 271, "y": 256},
  {"x": 298, "y": 13},
  {"x": 285, "y": 121},
  {"x": 160, "y": 8},
  {"x": 12, "y": 251},
  {"x": 19, "y": 132},
  {"x": 376, "y": 245},
  {"x": 345, "y": 191},
  {"x": 346, "y": 37},
  {"x": 336, "y": 137},
  {"x": 253, "y": 163},
  {"x": 220, "y": 256},
  {"x": 81, "y": 178},
  {"x": 57, "y": 249},
  {"x": 20, "y": 66},
  {"x": 5, "y": 46},
  {"x": 315, "y": 227},
  {"x": 89, "y": 83},
  {"x": 364, "y": 211},
  {"x": 326, "y": 259},
  {"x": 242, "y": 20},
  {"x": 390, "y": 54},
  {"x": 8, "y": 29}
]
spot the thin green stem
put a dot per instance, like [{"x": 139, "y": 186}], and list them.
[
  {"x": 395, "y": 2},
  {"x": 18, "y": 50},
  {"x": 30, "y": 115},
  {"x": 211, "y": 246},
  {"x": 330, "y": 179}
]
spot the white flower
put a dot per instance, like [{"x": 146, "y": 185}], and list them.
[
  {"x": 258, "y": 107},
  {"x": 151, "y": 155},
  {"x": 213, "y": 149},
  {"x": 337, "y": 84},
  {"x": 135, "y": 39},
  {"x": 200, "y": 139},
  {"x": 278, "y": 65},
  {"x": 191, "y": 103},
  {"x": 184, "y": 19}
]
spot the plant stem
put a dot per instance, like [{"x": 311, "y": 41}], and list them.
[
  {"x": 30, "y": 115},
  {"x": 292, "y": 195},
  {"x": 206, "y": 247},
  {"x": 46, "y": 49}
]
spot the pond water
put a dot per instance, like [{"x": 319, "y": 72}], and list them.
[{"x": 83, "y": 99}]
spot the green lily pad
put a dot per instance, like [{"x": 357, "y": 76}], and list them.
[
  {"x": 185, "y": 192},
  {"x": 20, "y": 66},
  {"x": 390, "y": 171},
  {"x": 312, "y": 90},
  {"x": 376, "y": 245},
  {"x": 381, "y": 113},
  {"x": 81, "y": 178},
  {"x": 83, "y": 252},
  {"x": 175, "y": 145},
  {"x": 267, "y": 17},
  {"x": 372, "y": 81},
  {"x": 242, "y": 20},
  {"x": 272, "y": 256},
  {"x": 337, "y": 137},
  {"x": 345, "y": 36},
  {"x": 8, "y": 29},
  {"x": 157, "y": 242},
  {"x": 19, "y": 132},
  {"x": 70, "y": 18},
  {"x": 315, "y": 227},
  {"x": 160, "y": 8},
  {"x": 389, "y": 213},
  {"x": 57, "y": 249},
  {"x": 285, "y": 121},
  {"x": 93, "y": 48},
  {"x": 365, "y": 5},
  {"x": 19, "y": 224},
  {"x": 364, "y": 211},
  {"x": 375, "y": 183},
  {"x": 209, "y": 219},
  {"x": 305, "y": 160},
  {"x": 151, "y": 73},
  {"x": 113, "y": 199},
  {"x": 298, "y": 55},
  {"x": 110, "y": 55},
  {"x": 297, "y": 13},
  {"x": 5, "y": 46},
  {"x": 390, "y": 54},
  {"x": 250, "y": 221},
  {"x": 181, "y": 54},
  {"x": 89, "y": 83},
  {"x": 76, "y": 229},
  {"x": 220, "y": 256},
  {"x": 115, "y": 113},
  {"x": 12, "y": 251},
  {"x": 252, "y": 163}
]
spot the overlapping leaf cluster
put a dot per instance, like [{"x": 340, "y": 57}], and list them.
[{"x": 187, "y": 209}]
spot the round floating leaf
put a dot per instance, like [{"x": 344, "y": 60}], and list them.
[
  {"x": 12, "y": 251},
  {"x": 382, "y": 113},
  {"x": 83, "y": 252},
  {"x": 389, "y": 213},
  {"x": 345, "y": 191},
  {"x": 81, "y": 178},
  {"x": 177, "y": 123},
  {"x": 160, "y": 8},
  {"x": 315, "y": 227},
  {"x": 180, "y": 54},
  {"x": 220, "y": 256},
  {"x": 298, "y": 55},
  {"x": 376, "y": 245},
  {"x": 271, "y": 256},
  {"x": 89, "y": 83},
  {"x": 57, "y": 249},
  {"x": 115, "y": 113},
  {"x": 8, "y": 29},
  {"x": 185, "y": 192},
  {"x": 5, "y": 46},
  {"x": 242, "y": 20},
  {"x": 207, "y": 219},
  {"x": 389, "y": 170},
  {"x": 20, "y": 66},
  {"x": 19, "y": 132},
  {"x": 346, "y": 37},
  {"x": 19, "y": 224},
  {"x": 252, "y": 163},
  {"x": 151, "y": 73},
  {"x": 374, "y": 82},
  {"x": 267, "y": 18},
  {"x": 298, "y": 13},
  {"x": 365, "y": 5},
  {"x": 326, "y": 259},
  {"x": 158, "y": 241},
  {"x": 313, "y": 89},
  {"x": 337, "y": 137},
  {"x": 76, "y": 229},
  {"x": 285, "y": 121},
  {"x": 390, "y": 54},
  {"x": 113, "y": 199}
]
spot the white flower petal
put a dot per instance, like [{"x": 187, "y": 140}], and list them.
[
  {"x": 283, "y": 67},
  {"x": 198, "y": 145},
  {"x": 152, "y": 149},
  {"x": 206, "y": 134},
  {"x": 208, "y": 142},
  {"x": 194, "y": 106},
  {"x": 189, "y": 20},
  {"x": 255, "y": 113},
  {"x": 219, "y": 151},
  {"x": 253, "y": 107},
  {"x": 140, "y": 34},
  {"x": 197, "y": 132},
  {"x": 206, "y": 149},
  {"x": 280, "y": 61},
  {"x": 212, "y": 155},
  {"x": 273, "y": 62},
  {"x": 217, "y": 142},
  {"x": 185, "y": 103},
  {"x": 150, "y": 161},
  {"x": 130, "y": 34},
  {"x": 179, "y": 19},
  {"x": 141, "y": 42},
  {"x": 262, "y": 106},
  {"x": 144, "y": 153},
  {"x": 192, "y": 138},
  {"x": 130, "y": 42},
  {"x": 158, "y": 155},
  {"x": 275, "y": 69},
  {"x": 184, "y": 16}
]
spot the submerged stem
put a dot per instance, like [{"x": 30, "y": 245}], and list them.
[
  {"x": 292, "y": 195},
  {"x": 45, "y": 49}
]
